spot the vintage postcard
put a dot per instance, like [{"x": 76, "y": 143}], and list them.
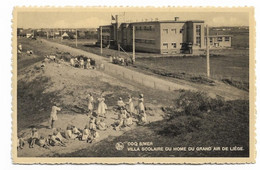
[{"x": 125, "y": 85}]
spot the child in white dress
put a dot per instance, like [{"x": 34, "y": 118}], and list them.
[
  {"x": 102, "y": 107},
  {"x": 130, "y": 105}
]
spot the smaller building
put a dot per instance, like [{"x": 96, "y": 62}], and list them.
[{"x": 219, "y": 41}]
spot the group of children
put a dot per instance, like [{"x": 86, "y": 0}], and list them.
[
  {"x": 126, "y": 112},
  {"x": 74, "y": 62}
]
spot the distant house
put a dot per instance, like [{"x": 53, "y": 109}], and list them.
[
  {"x": 29, "y": 35},
  {"x": 219, "y": 41},
  {"x": 65, "y": 36}
]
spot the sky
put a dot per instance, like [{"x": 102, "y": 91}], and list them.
[{"x": 93, "y": 19}]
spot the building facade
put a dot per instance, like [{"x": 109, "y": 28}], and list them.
[
  {"x": 220, "y": 41},
  {"x": 165, "y": 37}
]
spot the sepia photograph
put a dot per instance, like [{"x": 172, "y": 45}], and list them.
[{"x": 111, "y": 85}]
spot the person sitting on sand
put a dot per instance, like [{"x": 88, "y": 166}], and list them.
[
  {"x": 34, "y": 137},
  {"x": 101, "y": 125},
  {"x": 42, "y": 142},
  {"x": 120, "y": 103},
  {"x": 121, "y": 117},
  {"x": 85, "y": 133},
  {"x": 142, "y": 118},
  {"x": 101, "y": 106},
  {"x": 53, "y": 141},
  {"x": 90, "y": 103},
  {"x": 57, "y": 139},
  {"x": 58, "y": 135},
  {"x": 53, "y": 116},
  {"x": 92, "y": 123},
  {"x": 72, "y": 62},
  {"x": 69, "y": 134},
  {"x": 20, "y": 142},
  {"x": 128, "y": 121},
  {"x": 76, "y": 132}
]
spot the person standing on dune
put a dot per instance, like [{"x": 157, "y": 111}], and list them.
[{"x": 53, "y": 116}]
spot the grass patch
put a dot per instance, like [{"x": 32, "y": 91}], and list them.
[{"x": 238, "y": 84}]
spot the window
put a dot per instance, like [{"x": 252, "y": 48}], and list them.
[
  {"x": 181, "y": 30},
  {"x": 210, "y": 39},
  {"x": 198, "y": 40},
  {"x": 219, "y": 39},
  {"x": 226, "y": 39},
  {"x": 165, "y": 31},
  {"x": 174, "y": 31},
  {"x": 198, "y": 30},
  {"x": 174, "y": 45},
  {"x": 165, "y": 45}
]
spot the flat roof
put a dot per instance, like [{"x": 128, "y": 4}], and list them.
[
  {"x": 166, "y": 21},
  {"x": 162, "y": 21}
]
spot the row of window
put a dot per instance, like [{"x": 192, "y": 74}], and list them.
[
  {"x": 172, "y": 45},
  {"x": 173, "y": 30},
  {"x": 146, "y": 28},
  {"x": 220, "y": 39},
  {"x": 145, "y": 41}
]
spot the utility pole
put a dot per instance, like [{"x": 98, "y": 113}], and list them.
[
  {"x": 117, "y": 36},
  {"x": 207, "y": 47},
  {"x": 133, "y": 59},
  {"x": 60, "y": 35},
  {"x": 101, "y": 41},
  {"x": 76, "y": 38}
]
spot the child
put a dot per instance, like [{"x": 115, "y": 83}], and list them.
[
  {"x": 143, "y": 118},
  {"x": 101, "y": 106},
  {"x": 53, "y": 116},
  {"x": 141, "y": 107},
  {"x": 90, "y": 103},
  {"x": 92, "y": 123},
  {"x": 101, "y": 125},
  {"x": 88, "y": 66},
  {"x": 34, "y": 137},
  {"x": 85, "y": 133},
  {"x": 20, "y": 143},
  {"x": 69, "y": 134},
  {"x": 120, "y": 103},
  {"x": 82, "y": 63},
  {"x": 76, "y": 132},
  {"x": 122, "y": 117},
  {"x": 128, "y": 121},
  {"x": 95, "y": 134},
  {"x": 43, "y": 143},
  {"x": 58, "y": 135},
  {"x": 56, "y": 141},
  {"x": 72, "y": 62},
  {"x": 130, "y": 105}
]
